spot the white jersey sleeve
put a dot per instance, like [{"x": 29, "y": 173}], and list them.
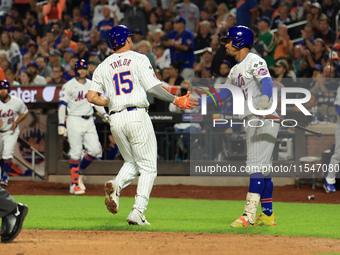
[
  {"x": 10, "y": 112},
  {"x": 65, "y": 93},
  {"x": 148, "y": 78},
  {"x": 97, "y": 82},
  {"x": 258, "y": 67}
]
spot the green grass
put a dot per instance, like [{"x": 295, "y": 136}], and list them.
[{"x": 178, "y": 215}]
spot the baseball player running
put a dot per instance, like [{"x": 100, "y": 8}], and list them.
[
  {"x": 12, "y": 111},
  {"x": 329, "y": 185},
  {"x": 126, "y": 76},
  {"x": 251, "y": 72},
  {"x": 81, "y": 129}
]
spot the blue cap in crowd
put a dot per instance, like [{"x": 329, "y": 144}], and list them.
[{"x": 179, "y": 19}]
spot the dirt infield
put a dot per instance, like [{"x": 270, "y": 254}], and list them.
[{"x": 54, "y": 242}]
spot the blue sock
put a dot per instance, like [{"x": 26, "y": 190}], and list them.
[
  {"x": 6, "y": 167},
  {"x": 87, "y": 160},
  {"x": 267, "y": 196},
  {"x": 256, "y": 184}
]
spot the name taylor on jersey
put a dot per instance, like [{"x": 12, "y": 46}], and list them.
[{"x": 120, "y": 62}]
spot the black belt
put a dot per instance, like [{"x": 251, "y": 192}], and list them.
[
  {"x": 3, "y": 131},
  {"x": 86, "y": 117},
  {"x": 128, "y": 109}
]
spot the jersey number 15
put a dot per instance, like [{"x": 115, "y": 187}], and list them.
[{"x": 119, "y": 80}]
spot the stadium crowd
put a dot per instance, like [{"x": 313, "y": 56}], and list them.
[{"x": 42, "y": 40}]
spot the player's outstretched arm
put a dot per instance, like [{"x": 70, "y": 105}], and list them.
[
  {"x": 61, "y": 118},
  {"x": 96, "y": 98},
  {"x": 184, "y": 102}
]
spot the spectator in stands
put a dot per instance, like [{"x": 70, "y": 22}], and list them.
[
  {"x": 44, "y": 70},
  {"x": 157, "y": 38},
  {"x": 222, "y": 14},
  {"x": 268, "y": 38},
  {"x": 137, "y": 38},
  {"x": 57, "y": 34},
  {"x": 153, "y": 23},
  {"x": 267, "y": 9},
  {"x": 144, "y": 47},
  {"x": 135, "y": 14},
  {"x": 297, "y": 58},
  {"x": 284, "y": 17},
  {"x": 67, "y": 21},
  {"x": 205, "y": 14},
  {"x": 76, "y": 17},
  {"x": 11, "y": 48},
  {"x": 43, "y": 48},
  {"x": 18, "y": 34},
  {"x": 26, "y": 78},
  {"x": 284, "y": 45},
  {"x": 203, "y": 68},
  {"x": 33, "y": 50},
  {"x": 211, "y": 6},
  {"x": 53, "y": 11},
  {"x": 330, "y": 8},
  {"x": 10, "y": 77},
  {"x": 54, "y": 58},
  {"x": 246, "y": 13},
  {"x": 181, "y": 43},
  {"x": 93, "y": 46},
  {"x": 307, "y": 35},
  {"x": 67, "y": 58},
  {"x": 92, "y": 67},
  {"x": 281, "y": 73},
  {"x": 174, "y": 74},
  {"x": 5, "y": 64},
  {"x": 33, "y": 68},
  {"x": 316, "y": 14},
  {"x": 329, "y": 85},
  {"x": 98, "y": 12},
  {"x": 190, "y": 12},
  {"x": 31, "y": 23},
  {"x": 163, "y": 58},
  {"x": 168, "y": 26},
  {"x": 317, "y": 74},
  {"x": 103, "y": 50},
  {"x": 225, "y": 68},
  {"x": 57, "y": 75},
  {"x": 105, "y": 25},
  {"x": 259, "y": 47},
  {"x": 25, "y": 42},
  {"x": 203, "y": 38},
  {"x": 26, "y": 59},
  {"x": 9, "y": 24},
  {"x": 326, "y": 33},
  {"x": 66, "y": 42},
  {"x": 71, "y": 73},
  {"x": 85, "y": 30},
  {"x": 83, "y": 53},
  {"x": 318, "y": 56}
]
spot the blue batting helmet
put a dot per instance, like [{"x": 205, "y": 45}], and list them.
[
  {"x": 242, "y": 36},
  {"x": 5, "y": 84},
  {"x": 118, "y": 36},
  {"x": 81, "y": 63}
]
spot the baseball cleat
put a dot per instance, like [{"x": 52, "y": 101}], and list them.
[
  {"x": 112, "y": 192},
  {"x": 264, "y": 220},
  {"x": 4, "y": 180},
  {"x": 329, "y": 188},
  {"x": 81, "y": 180},
  {"x": 76, "y": 189},
  {"x": 137, "y": 218},
  {"x": 12, "y": 223},
  {"x": 241, "y": 222}
]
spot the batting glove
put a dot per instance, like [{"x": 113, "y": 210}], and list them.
[
  {"x": 61, "y": 129},
  {"x": 263, "y": 103},
  {"x": 185, "y": 102}
]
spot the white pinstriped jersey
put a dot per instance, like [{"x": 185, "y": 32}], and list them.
[
  {"x": 74, "y": 94},
  {"x": 10, "y": 112},
  {"x": 247, "y": 74},
  {"x": 337, "y": 98},
  {"x": 125, "y": 78}
]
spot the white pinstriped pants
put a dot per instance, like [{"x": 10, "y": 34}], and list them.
[
  {"x": 136, "y": 140},
  {"x": 335, "y": 159},
  {"x": 260, "y": 145}
]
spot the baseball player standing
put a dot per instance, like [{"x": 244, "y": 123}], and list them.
[
  {"x": 329, "y": 185},
  {"x": 126, "y": 76},
  {"x": 251, "y": 72},
  {"x": 81, "y": 129},
  {"x": 12, "y": 111}
]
